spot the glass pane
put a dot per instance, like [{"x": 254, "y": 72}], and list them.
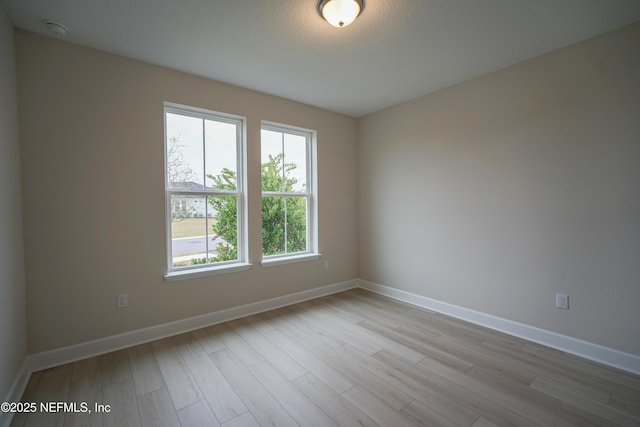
[
  {"x": 223, "y": 239},
  {"x": 273, "y": 220},
  {"x": 272, "y": 156},
  {"x": 188, "y": 230},
  {"x": 220, "y": 155},
  {"x": 296, "y": 213},
  {"x": 184, "y": 152},
  {"x": 295, "y": 160}
]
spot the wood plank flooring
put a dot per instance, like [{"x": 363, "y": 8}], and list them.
[{"x": 349, "y": 359}]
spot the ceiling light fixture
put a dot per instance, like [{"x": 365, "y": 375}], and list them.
[
  {"x": 340, "y": 13},
  {"x": 56, "y": 28}
]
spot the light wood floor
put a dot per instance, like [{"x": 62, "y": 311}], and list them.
[{"x": 350, "y": 359}]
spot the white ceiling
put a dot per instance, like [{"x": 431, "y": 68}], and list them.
[{"x": 395, "y": 51}]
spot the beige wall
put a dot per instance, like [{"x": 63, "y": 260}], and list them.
[
  {"x": 501, "y": 191},
  {"x": 493, "y": 194},
  {"x": 13, "y": 345},
  {"x": 91, "y": 128}
]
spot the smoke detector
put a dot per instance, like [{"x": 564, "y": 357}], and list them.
[{"x": 56, "y": 28}]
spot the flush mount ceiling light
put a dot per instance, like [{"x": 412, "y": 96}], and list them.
[
  {"x": 56, "y": 28},
  {"x": 340, "y": 13}
]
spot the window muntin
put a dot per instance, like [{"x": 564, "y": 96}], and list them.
[
  {"x": 204, "y": 177},
  {"x": 288, "y": 199}
]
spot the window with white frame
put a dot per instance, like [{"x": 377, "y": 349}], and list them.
[
  {"x": 289, "y": 203},
  {"x": 204, "y": 181}
]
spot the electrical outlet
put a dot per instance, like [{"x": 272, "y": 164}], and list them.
[
  {"x": 562, "y": 301},
  {"x": 326, "y": 265},
  {"x": 122, "y": 301}
]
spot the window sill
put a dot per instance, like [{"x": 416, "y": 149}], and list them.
[
  {"x": 272, "y": 262},
  {"x": 194, "y": 273}
]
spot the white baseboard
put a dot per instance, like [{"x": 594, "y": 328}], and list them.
[
  {"x": 15, "y": 392},
  {"x": 35, "y": 362},
  {"x": 59, "y": 356},
  {"x": 598, "y": 353}
]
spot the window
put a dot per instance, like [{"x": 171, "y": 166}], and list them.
[
  {"x": 289, "y": 204},
  {"x": 204, "y": 182}
]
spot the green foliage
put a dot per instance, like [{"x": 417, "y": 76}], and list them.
[
  {"x": 226, "y": 218},
  {"x": 296, "y": 210},
  {"x": 276, "y": 212},
  {"x": 280, "y": 211},
  {"x": 272, "y": 177}
]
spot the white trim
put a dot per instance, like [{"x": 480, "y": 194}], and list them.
[
  {"x": 59, "y": 356},
  {"x": 272, "y": 262},
  {"x": 176, "y": 275},
  {"x": 611, "y": 357},
  {"x": 279, "y": 127},
  {"x": 16, "y": 391},
  {"x": 240, "y": 193},
  {"x": 311, "y": 191},
  {"x": 588, "y": 350}
]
